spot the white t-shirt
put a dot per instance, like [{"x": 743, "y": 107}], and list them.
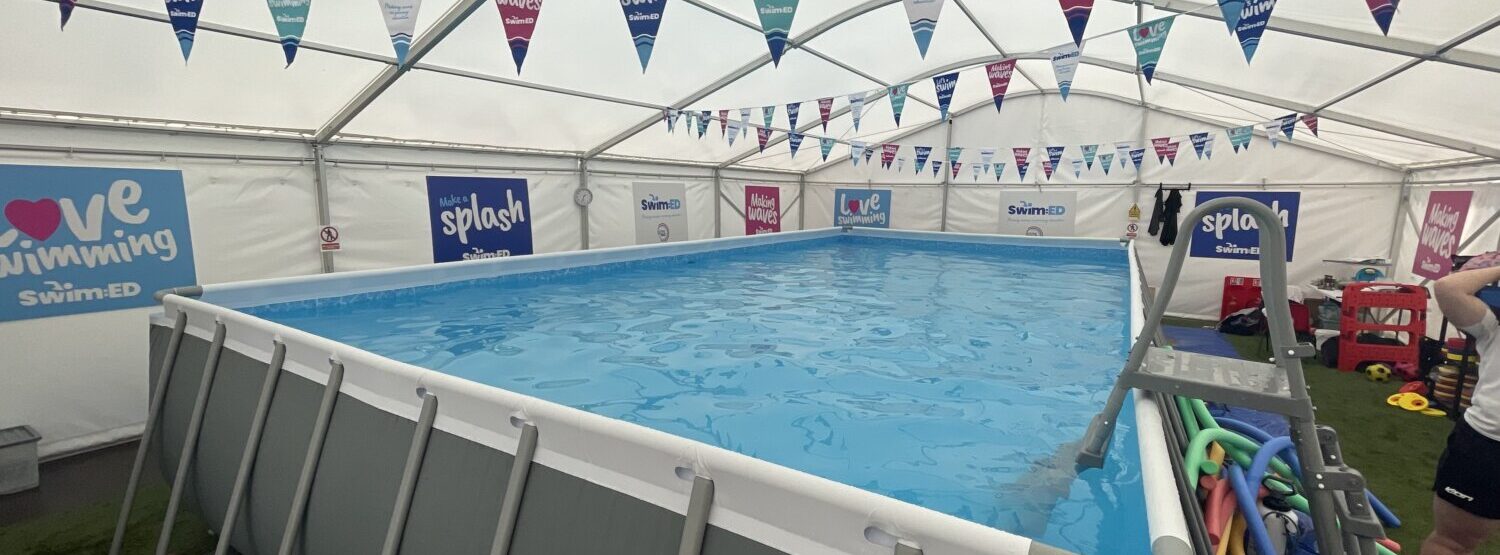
[{"x": 1484, "y": 414}]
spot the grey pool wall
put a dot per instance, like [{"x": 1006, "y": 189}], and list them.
[{"x": 595, "y": 485}]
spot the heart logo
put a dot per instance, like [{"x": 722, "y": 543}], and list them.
[
  {"x": 38, "y": 219},
  {"x": 853, "y": 207}
]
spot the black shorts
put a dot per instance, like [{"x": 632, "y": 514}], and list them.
[{"x": 1466, "y": 472}]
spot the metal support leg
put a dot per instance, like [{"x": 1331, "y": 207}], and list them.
[
  {"x": 252, "y": 447},
  {"x": 510, "y": 507},
  {"x": 310, "y": 464},
  {"x": 163, "y": 377},
  {"x": 409, "y": 476},
  {"x": 190, "y": 443},
  {"x": 695, "y": 524},
  {"x": 718, "y": 203}
]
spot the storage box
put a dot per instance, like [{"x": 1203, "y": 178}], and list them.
[{"x": 18, "y": 466}]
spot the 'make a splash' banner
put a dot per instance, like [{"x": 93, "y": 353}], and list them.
[
  {"x": 862, "y": 208},
  {"x": 184, "y": 16},
  {"x": 923, "y": 16},
  {"x": 776, "y": 21},
  {"x": 1234, "y": 234},
  {"x": 77, "y": 240},
  {"x": 644, "y": 19},
  {"x": 291, "y": 21},
  {"x": 519, "y": 18},
  {"x": 478, "y": 217}
]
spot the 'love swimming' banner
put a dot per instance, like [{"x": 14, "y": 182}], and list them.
[
  {"x": 478, "y": 217},
  {"x": 898, "y": 100},
  {"x": 79, "y": 240},
  {"x": 519, "y": 18},
  {"x": 1149, "y": 39},
  {"x": 862, "y": 208}
]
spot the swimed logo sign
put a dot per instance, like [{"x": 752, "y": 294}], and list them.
[
  {"x": 1037, "y": 214},
  {"x": 1234, "y": 233},
  {"x": 76, "y": 240},
  {"x": 478, "y": 217},
  {"x": 660, "y": 213},
  {"x": 862, "y": 208}
]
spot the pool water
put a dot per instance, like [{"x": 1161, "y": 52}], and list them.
[{"x": 954, "y": 376}]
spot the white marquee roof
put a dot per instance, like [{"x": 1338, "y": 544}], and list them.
[{"x": 1422, "y": 96}]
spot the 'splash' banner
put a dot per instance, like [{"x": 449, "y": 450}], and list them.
[
  {"x": 1441, "y": 231},
  {"x": 78, "y": 240},
  {"x": 1038, "y": 213},
  {"x": 478, "y": 217},
  {"x": 762, "y": 209},
  {"x": 862, "y": 207},
  {"x": 644, "y": 19},
  {"x": 923, "y": 17},
  {"x": 1234, "y": 234},
  {"x": 660, "y": 213},
  {"x": 519, "y": 18},
  {"x": 776, "y": 20}
]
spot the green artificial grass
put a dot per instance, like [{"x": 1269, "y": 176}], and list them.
[
  {"x": 1396, "y": 450},
  {"x": 89, "y": 529}
]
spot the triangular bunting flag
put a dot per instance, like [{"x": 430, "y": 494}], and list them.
[
  {"x": 869, "y": 153},
  {"x": 856, "y": 151},
  {"x": 703, "y": 119},
  {"x": 1000, "y": 73},
  {"x": 1383, "y": 11},
  {"x": 644, "y": 19},
  {"x": 856, "y": 105},
  {"x": 922, "y": 153},
  {"x": 1077, "y": 13},
  {"x": 519, "y": 18},
  {"x": 723, "y": 122},
  {"x": 65, "y": 9},
  {"x": 945, "y": 84},
  {"x": 767, "y": 113},
  {"x": 954, "y": 153},
  {"x": 793, "y": 111},
  {"x": 923, "y": 17},
  {"x": 898, "y": 100},
  {"x": 1122, "y": 151},
  {"x": 776, "y": 21},
  {"x": 1137, "y": 156},
  {"x": 1172, "y": 152},
  {"x": 825, "y": 105},
  {"x": 1288, "y": 125},
  {"x": 1106, "y": 160},
  {"x": 1077, "y": 168},
  {"x": 184, "y": 16},
  {"x": 291, "y": 19},
  {"x": 794, "y": 139},
  {"x": 937, "y": 167},
  {"x": 671, "y": 116},
  {"x": 1149, "y": 38},
  {"x": 763, "y": 134},
  {"x": 1064, "y": 64},
  {"x": 1239, "y": 137},
  {"x": 900, "y": 161},
  {"x": 999, "y": 170},
  {"x": 986, "y": 156},
  {"x": 1231, "y": 10},
  {"x": 1200, "y": 140},
  {"x": 1047, "y": 168},
  {"x": 825, "y": 144},
  {"x": 734, "y": 131},
  {"x": 1311, "y": 121},
  {"x": 1054, "y": 154},
  {"x": 1254, "y": 18},
  {"x": 888, "y": 154},
  {"x": 976, "y": 170},
  {"x": 744, "y": 121},
  {"x": 955, "y": 168},
  {"x": 1021, "y": 153},
  {"x": 1160, "y": 145},
  {"x": 1273, "y": 131},
  {"x": 1089, "y": 152},
  {"x": 1208, "y": 148}
]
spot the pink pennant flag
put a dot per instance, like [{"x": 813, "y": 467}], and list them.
[
  {"x": 1000, "y": 73},
  {"x": 1021, "y": 153},
  {"x": 1383, "y": 11},
  {"x": 723, "y": 122},
  {"x": 825, "y": 106},
  {"x": 956, "y": 166},
  {"x": 763, "y": 134},
  {"x": 888, "y": 154},
  {"x": 1160, "y": 144},
  {"x": 519, "y": 17},
  {"x": 1172, "y": 152},
  {"x": 1311, "y": 121}
]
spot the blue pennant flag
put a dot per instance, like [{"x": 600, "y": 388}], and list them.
[
  {"x": 795, "y": 139},
  {"x": 1288, "y": 125},
  {"x": 776, "y": 22},
  {"x": 1200, "y": 141},
  {"x": 703, "y": 118},
  {"x": 923, "y": 16},
  {"x": 945, "y": 85},
  {"x": 1383, "y": 11},
  {"x": 1106, "y": 160},
  {"x": 291, "y": 19},
  {"x": 826, "y": 145},
  {"x": 999, "y": 170},
  {"x": 954, "y": 153},
  {"x": 792, "y": 111},
  {"x": 184, "y": 15},
  {"x": 1077, "y": 13},
  {"x": 923, "y": 152},
  {"x": 1089, "y": 152},
  {"x": 1254, "y": 18},
  {"x": 1136, "y": 156},
  {"x": 644, "y": 19},
  {"x": 898, "y": 100},
  {"x": 1231, "y": 10},
  {"x": 1054, "y": 154}
]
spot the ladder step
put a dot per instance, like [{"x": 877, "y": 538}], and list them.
[{"x": 1241, "y": 383}]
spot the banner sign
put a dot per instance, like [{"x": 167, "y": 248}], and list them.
[
  {"x": 763, "y": 135},
  {"x": 1064, "y": 64},
  {"x": 869, "y": 153},
  {"x": 888, "y": 154},
  {"x": 1105, "y": 160},
  {"x": 945, "y": 85},
  {"x": 1021, "y": 168},
  {"x": 1136, "y": 156},
  {"x": 660, "y": 213},
  {"x": 856, "y": 105},
  {"x": 744, "y": 120},
  {"x": 955, "y": 168},
  {"x": 1200, "y": 141},
  {"x": 1037, "y": 213},
  {"x": 795, "y": 140},
  {"x": 79, "y": 240},
  {"x": 1089, "y": 152},
  {"x": 999, "y": 170},
  {"x": 923, "y": 16},
  {"x": 776, "y": 20},
  {"x": 1021, "y": 153},
  {"x": 826, "y": 145},
  {"x": 1252, "y": 24},
  {"x": 1122, "y": 151},
  {"x": 1441, "y": 232},
  {"x": 1234, "y": 234},
  {"x": 937, "y": 167},
  {"x": 1000, "y": 73},
  {"x": 291, "y": 19},
  {"x": 1054, "y": 155},
  {"x": 478, "y": 217},
  {"x": 1047, "y": 168},
  {"x": 644, "y": 19},
  {"x": 825, "y": 106},
  {"x": 519, "y": 17},
  {"x": 762, "y": 209},
  {"x": 1288, "y": 125},
  {"x": 922, "y": 153},
  {"x": 863, "y": 207},
  {"x": 1160, "y": 145},
  {"x": 793, "y": 111},
  {"x": 184, "y": 16},
  {"x": 1239, "y": 137},
  {"x": 1077, "y": 13},
  {"x": 1149, "y": 39},
  {"x": 1172, "y": 152},
  {"x": 898, "y": 100},
  {"x": 1311, "y": 121}
]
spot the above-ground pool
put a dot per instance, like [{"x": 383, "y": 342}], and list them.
[{"x": 955, "y": 375}]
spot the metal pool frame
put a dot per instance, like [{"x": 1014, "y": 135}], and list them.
[{"x": 288, "y": 442}]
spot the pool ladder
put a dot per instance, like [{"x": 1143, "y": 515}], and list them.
[{"x": 1344, "y": 521}]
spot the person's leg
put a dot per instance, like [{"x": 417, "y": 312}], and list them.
[{"x": 1455, "y": 531}]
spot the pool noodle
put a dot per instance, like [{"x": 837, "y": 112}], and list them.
[
  {"x": 1237, "y": 536},
  {"x": 1216, "y": 514},
  {"x": 1246, "y": 497}
]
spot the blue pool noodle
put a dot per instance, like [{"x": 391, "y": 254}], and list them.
[
  {"x": 1244, "y": 496},
  {"x": 1387, "y": 517}
]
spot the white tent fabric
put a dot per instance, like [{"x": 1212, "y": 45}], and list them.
[{"x": 1400, "y": 116}]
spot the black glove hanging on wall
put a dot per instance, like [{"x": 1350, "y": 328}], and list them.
[
  {"x": 1156, "y": 209},
  {"x": 1170, "y": 208}
]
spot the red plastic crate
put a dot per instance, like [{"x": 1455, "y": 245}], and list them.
[
  {"x": 1359, "y": 297},
  {"x": 1239, "y": 293}
]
